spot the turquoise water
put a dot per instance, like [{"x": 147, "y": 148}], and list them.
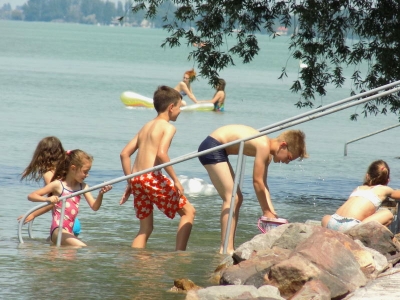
[{"x": 66, "y": 79}]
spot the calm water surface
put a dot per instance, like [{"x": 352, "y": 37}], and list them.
[{"x": 66, "y": 79}]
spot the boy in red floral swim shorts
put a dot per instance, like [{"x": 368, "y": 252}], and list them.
[{"x": 153, "y": 188}]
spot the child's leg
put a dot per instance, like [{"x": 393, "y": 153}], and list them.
[
  {"x": 224, "y": 185},
  {"x": 67, "y": 239},
  {"x": 145, "y": 230},
  {"x": 187, "y": 213},
  {"x": 383, "y": 216},
  {"x": 325, "y": 220}
]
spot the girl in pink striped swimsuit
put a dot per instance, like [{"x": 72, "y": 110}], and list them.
[{"x": 70, "y": 175}]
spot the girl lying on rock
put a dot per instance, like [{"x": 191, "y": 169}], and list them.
[{"x": 364, "y": 202}]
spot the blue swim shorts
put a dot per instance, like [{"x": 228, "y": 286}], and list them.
[{"x": 213, "y": 157}]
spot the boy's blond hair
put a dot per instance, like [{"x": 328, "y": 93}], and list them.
[{"x": 296, "y": 142}]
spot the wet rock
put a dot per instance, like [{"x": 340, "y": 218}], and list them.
[
  {"x": 235, "y": 292},
  {"x": 252, "y": 271},
  {"x": 304, "y": 261},
  {"x": 184, "y": 285},
  {"x": 325, "y": 255},
  {"x": 376, "y": 236},
  {"x": 227, "y": 262},
  {"x": 314, "y": 289},
  {"x": 258, "y": 243}
]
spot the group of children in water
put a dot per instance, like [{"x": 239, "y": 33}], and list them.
[
  {"x": 184, "y": 87},
  {"x": 68, "y": 170}
]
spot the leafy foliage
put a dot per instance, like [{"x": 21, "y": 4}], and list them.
[{"x": 328, "y": 36}]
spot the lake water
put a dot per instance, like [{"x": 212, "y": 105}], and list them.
[{"x": 66, "y": 80}]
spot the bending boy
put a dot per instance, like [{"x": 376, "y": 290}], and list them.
[
  {"x": 288, "y": 146},
  {"x": 152, "y": 143}
]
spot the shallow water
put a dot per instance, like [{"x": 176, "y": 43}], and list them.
[{"x": 66, "y": 79}]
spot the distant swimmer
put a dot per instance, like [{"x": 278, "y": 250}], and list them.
[
  {"x": 184, "y": 87},
  {"x": 219, "y": 97}
]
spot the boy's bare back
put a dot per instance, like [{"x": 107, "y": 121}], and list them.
[
  {"x": 153, "y": 140},
  {"x": 230, "y": 133}
]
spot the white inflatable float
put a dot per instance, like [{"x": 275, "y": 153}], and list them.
[{"x": 133, "y": 99}]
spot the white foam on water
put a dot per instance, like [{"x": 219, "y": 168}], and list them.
[{"x": 197, "y": 186}]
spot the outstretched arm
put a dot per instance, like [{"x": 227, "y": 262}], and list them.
[
  {"x": 47, "y": 179},
  {"x": 217, "y": 97},
  {"x": 53, "y": 187},
  {"x": 36, "y": 213},
  {"x": 126, "y": 154},
  {"x": 95, "y": 204},
  {"x": 260, "y": 173},
  {"x": 125, "y": 157},
  {"x": 188, "y": 91},
  {"x": 395, "y": 194}
]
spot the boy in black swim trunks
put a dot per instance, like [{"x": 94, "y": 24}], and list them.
[{"x": 264, "y": 150}]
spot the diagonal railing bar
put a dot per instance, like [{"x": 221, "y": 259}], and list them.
[
  {"x": 368, "y": 135},
  {"x": 308, "y": 116},
  {"x": 239, "y": 166},
  {"x": 334, "y": 104}
]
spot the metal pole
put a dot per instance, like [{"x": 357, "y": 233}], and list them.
[
  {"x": 235, "y": 185},
  {"x": 60, "y": 226},
  {"x": 30, "y": 228},
  {"x": 334, "y": 104},
  {"x": 22, "y": 220},
  {"x": 242, "y": 171},
  {"x": 368, "y": 135}
]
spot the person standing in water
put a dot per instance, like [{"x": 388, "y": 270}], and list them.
[
  {"x": 184, "y": 87},
  {"x": 286, "y": 147},
  {"x": 48, "y": 153},
  {"x": 219, "y": 97},
  {"x": 151, "y": 144},
  {"x": 69, "y": 178}
]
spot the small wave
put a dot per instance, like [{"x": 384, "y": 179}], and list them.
[{"x": 197, "y": 186}]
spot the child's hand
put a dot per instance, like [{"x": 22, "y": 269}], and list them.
[
  {"x": 105, "y": 189},
  {"x": 179, "y": 187},
  {"x": 126, "y": 195},
  {"x": 28, "y": 218},
  {"x": 53, "y": 199}
]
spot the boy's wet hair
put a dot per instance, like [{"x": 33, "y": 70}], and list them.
[
  {"x": 378, "y": 173},
  {"x": 164, "y": 96},
  {"x": 296, "y": 142}
]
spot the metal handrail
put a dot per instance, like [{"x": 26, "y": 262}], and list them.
[
  {"x": 322, "y": 108},
  {"x": 314, "y": 114},
  {"x": 367, "y": 135},
  {"x": 236, "y": 182}
]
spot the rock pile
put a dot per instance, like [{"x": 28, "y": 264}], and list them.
[{"x": 301, "y": 261}]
